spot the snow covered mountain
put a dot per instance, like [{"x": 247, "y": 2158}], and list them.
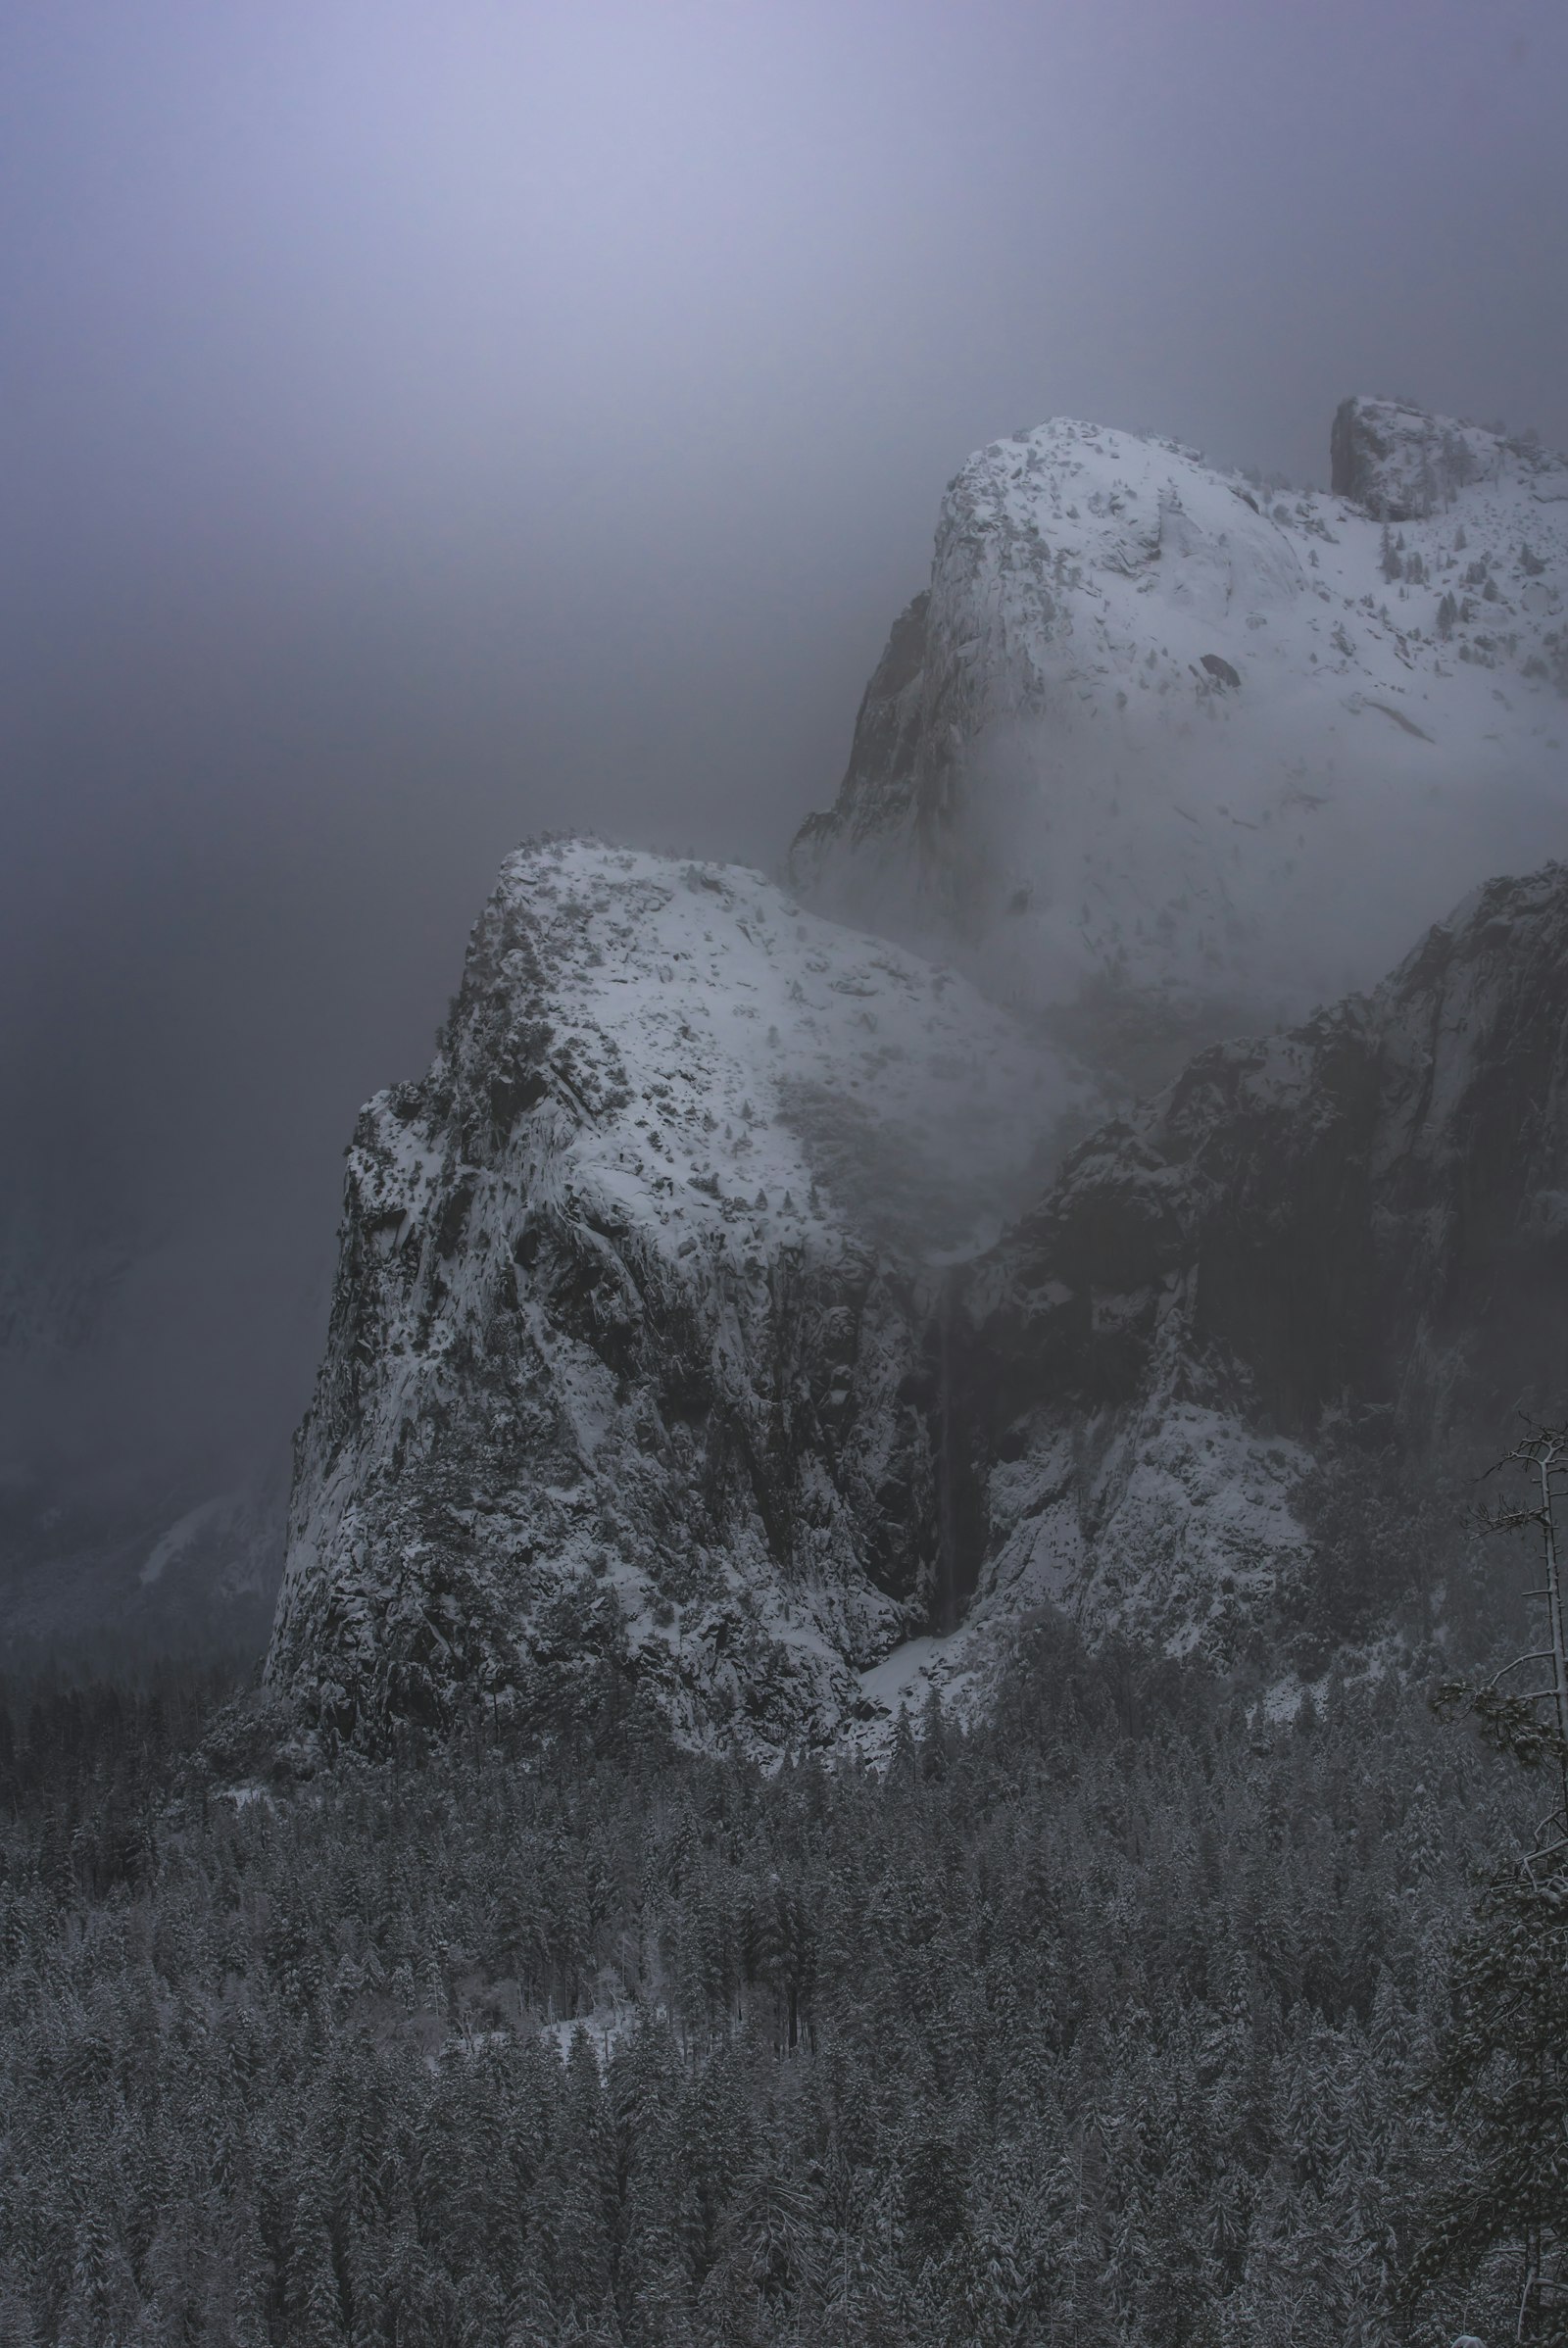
[
  {"x": 117, "y": 1579},
  {"x": 712, "y": 1312},
  {"x": 127, "y": 1555},
  {"x": 672, "y": 1330},
  {"x": 1167, "y": 754},
  {"x": 639, "y": 1340}
]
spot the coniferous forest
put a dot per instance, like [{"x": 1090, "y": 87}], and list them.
[{"x": 1130, "y": 2016}]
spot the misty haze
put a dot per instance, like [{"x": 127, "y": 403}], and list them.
[{"x": 784, "y": 933}]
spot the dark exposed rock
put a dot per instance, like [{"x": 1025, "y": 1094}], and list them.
[
  {"x": 1354, "y": 449},
  {"x": 881, "y": 772},
  {"x": 1365, "y": 1217}
]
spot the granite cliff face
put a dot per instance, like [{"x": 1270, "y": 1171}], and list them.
[
  {"x": 636, "y": 1351},
  {"x": 676, "y": 1330},
  {"x": 1359, "y": 1225},
  {"x": 1164, "y": 753}
]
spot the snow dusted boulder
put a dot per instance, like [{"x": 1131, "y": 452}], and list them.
[
  {"x": 1166, "y": 756},
  {"x": 635, "y": 1347},
  {"x": 1364, "y": 1221}
]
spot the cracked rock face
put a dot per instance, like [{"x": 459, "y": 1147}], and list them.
[
  {"x": 1167, "y": 754},
  {"x": 630, "y": 1352}
]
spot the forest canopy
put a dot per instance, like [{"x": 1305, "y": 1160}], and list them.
[{"x": 1113, "y": 2020}]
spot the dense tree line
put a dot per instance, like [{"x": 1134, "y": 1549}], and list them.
[{"x": 1123, "y": 2019}]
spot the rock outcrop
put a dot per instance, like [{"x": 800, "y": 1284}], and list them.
[
  {"x": 1403, "y": 464},
  {"x": 708, "y": 1319}
]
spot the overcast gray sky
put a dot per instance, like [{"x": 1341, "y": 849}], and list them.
[{"x": 426, "y": 424}]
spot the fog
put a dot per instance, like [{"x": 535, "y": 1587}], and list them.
[{"x": 424, "y": 426}]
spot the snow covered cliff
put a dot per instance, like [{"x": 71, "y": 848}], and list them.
[
  {"x": 675, "y": 1327},
  {"x": 713, "y": 1314},
  {"x": 637, "y": 1344},
  {"x": 1166, "y": 754}
]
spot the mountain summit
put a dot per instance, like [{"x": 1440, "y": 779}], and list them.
[{"x": 1164, "y": 754}]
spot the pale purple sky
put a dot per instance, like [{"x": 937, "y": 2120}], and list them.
[{"x": 422, "y": 424}]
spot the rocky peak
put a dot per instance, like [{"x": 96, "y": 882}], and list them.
[
  {"x": 1144, "y": 755},
  {"x": 635, "y": 1360}
]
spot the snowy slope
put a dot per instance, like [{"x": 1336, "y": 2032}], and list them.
[
  {"x": 1152, "y": 734},
  {"x": 632, "y": 1354}
]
